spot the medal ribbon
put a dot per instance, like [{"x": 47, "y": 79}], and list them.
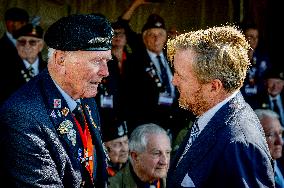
[{"x": 88, "y": 146}]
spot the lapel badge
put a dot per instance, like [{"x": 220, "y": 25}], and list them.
[
  {"x": 53, "y": 114},
  {"x": 120, "y": 130},
  {"x": 66, "y": 127},
  {"x": 58, "y": 113},
  {"x": 65, "y": 111},
  {"x": 56, "y": 103}
]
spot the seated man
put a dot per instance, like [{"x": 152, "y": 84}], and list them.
[
  {"x": 115, "y": 139},
  {"x": 150, "y": 150},
  {"x": 273, "y": 134}
]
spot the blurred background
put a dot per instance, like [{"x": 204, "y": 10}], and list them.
[{"x": 182, "y": 15}]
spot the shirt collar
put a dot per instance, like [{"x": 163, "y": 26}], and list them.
[
  {"x": 35, "y": 65},
  {"x": 205, "y": 118}
]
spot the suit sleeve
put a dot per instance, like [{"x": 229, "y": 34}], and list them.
[
  {"x": 247, "y": 165},
  {"x": 28, "y": 162}
]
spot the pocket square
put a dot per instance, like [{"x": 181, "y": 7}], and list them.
[{"x": 187, "y": 182}]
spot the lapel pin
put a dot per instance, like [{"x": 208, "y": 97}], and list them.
[{"x": 56, "y": 103}]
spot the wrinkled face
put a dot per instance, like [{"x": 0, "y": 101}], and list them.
[
  {"x": 274, "y": 86},
  {"x": 118, "y": 150},
  {"x": 193, "y": 94},
  {"x": 155, "y": 39},
  {"x": 252, "y": 37},
  {"x": 154, "y": 162},
  {"x": 82, "y": 72},
  {"x": 29, "y": 47},
  {"x": 273, "y": 133},
  {"x": 119, "y": 39}
]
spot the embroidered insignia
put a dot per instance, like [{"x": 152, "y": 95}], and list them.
[
  {"x": 66, "y": 127},
  {"x": 90, "y": 115},
  {"x": 65, "y": 111},
  {"x": 80, "y": 154},
  {"x": 53, "y": 114},
  {"x": 105, "y": 151},
  {"x": 59, "y": 113},
  {"x": 56, "y": 103},
  {"x": 120, "y": 130}
]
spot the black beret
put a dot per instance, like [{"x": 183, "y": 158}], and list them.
[
  {"x": 274, "y": 73},
  {"x": 86, "y": 32},
  {"x": 29, "y": 30},
  {"x": 113, "y": 129},
  {"x": 16, "y": 14},
  {"x": 154, "y": 21}
]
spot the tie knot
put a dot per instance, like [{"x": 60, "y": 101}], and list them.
[{"x": 31, "y": 71}]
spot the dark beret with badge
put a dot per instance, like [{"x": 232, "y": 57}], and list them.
[
  {"x": 154, "y": 21},
  {"x": 113, "y": 129},
  {"x": 274, "y": 73},
  {"x": 85, "y": 32},
  {"x": 29, "y": 30}
]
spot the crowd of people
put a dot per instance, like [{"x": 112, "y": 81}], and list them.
[{"x": 111, "y": 107}]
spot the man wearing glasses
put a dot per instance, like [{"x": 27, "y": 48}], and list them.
[{"x": 29, "y": 46}]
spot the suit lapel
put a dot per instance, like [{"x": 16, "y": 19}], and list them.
[
  {"x": 207, "y": 138},
  {"x": 60, "y": 115}
]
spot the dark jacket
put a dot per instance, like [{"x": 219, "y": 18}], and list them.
[
  {"x": 231, "y": 151},
  {"x": 36, "y": 152}
]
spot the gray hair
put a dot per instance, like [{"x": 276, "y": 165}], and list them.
[
  {"x": 262, "y": 113},
  {"x": 50, "y": 53},
  {"x": 139, "y": 137}
]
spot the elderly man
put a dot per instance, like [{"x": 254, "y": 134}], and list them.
[
  {"x": 50, "y": 129},
  {"x": 29, "y": 45},
  {"x": 272, "y": 97},
  {"x": 115, "y": 138},
  {"x": 273, "y": 133},
  {"x": 150, "y": 150},
  {"x": 225, "y": 146},
  {"x": 15, "y": 18}
]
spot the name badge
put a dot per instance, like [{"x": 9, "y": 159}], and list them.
[
  {"x": 251, "y": 90},
  {"x": 106, "y": 101},
  {"x": 165, "y": 99}
]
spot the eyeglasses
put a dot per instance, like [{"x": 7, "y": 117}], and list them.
[
  {"x": 23, "y": 42},
  {"x": 274, "y": 135}
]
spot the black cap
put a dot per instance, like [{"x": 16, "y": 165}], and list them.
[
  {"x": 16, "y": 14},
  {"x": 113, "y": 129},
  {"x": 274, "y": 73},
  {"x": 154, "y": 21},
  {"x": 89, "y": 32},
  {"x": 29, "y": 30}
]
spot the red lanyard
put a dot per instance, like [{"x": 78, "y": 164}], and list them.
[{"x": 86, "y": 138}]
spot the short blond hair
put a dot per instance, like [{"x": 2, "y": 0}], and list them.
[{"x": 221, "y": 53}]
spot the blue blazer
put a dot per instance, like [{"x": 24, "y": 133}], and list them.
[
  {"x": 34, "y": 152},
  {"x": 230, "y": 151}
]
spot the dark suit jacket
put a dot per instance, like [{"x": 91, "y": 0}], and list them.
[
  {"x": 230, "y": 151},
  {"x": 34, "y": 153},
  {"x": 14, "y": 77}
]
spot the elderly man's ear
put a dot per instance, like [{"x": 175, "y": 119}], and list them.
[
  {"x": 134, "y": 156},
  {"x": 59, "y": 57}
]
